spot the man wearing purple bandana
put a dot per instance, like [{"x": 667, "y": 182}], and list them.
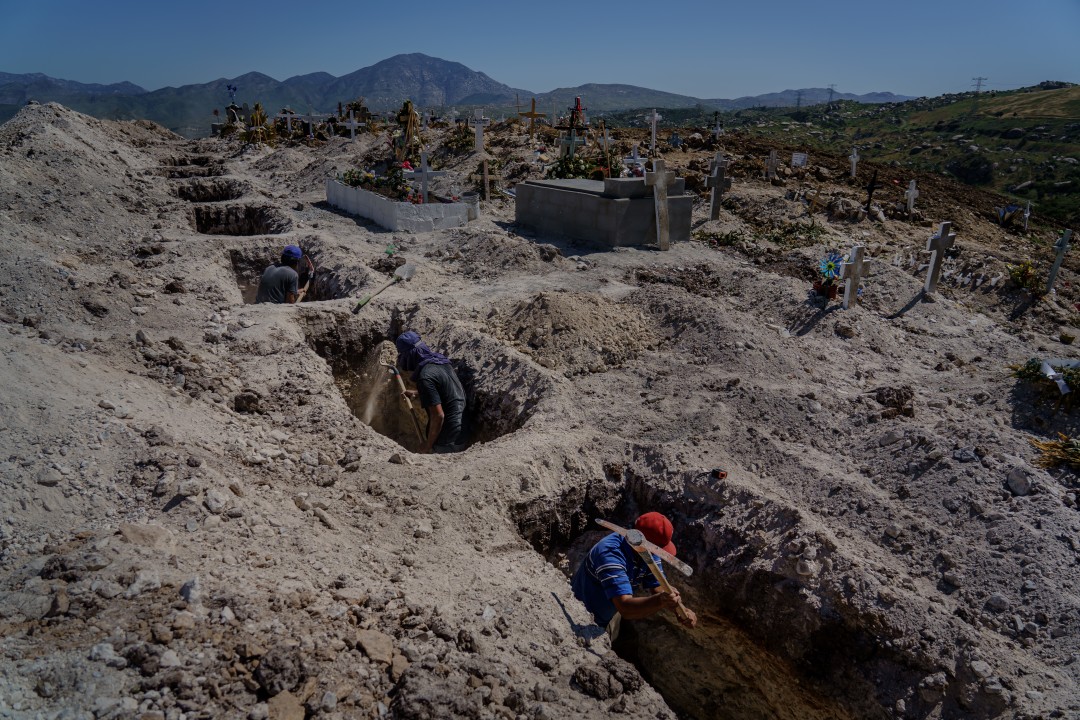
[{"x": 439, "y": 390}]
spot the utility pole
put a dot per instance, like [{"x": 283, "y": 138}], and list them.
[
  {"x": 832, "y": 88},
  {"x": 798, "y": 99},
  {"x": 978, "y": 88}
]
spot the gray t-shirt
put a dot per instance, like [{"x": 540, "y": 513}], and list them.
[
  {"x": 276, "y": 282},
  {"x": 439, "y": 385}
]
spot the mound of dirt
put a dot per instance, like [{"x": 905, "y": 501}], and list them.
[{"x": 578, "y": 332}]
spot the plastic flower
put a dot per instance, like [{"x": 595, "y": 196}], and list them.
[{"x": 831, "y": 265}]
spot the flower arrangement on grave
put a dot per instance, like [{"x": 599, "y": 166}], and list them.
[
  {"x": 1026, "y": 277},
  {"x": 571, "y": 166},
  {"x": 392, "y": 185},
  {"x": 830, "y": 267}
]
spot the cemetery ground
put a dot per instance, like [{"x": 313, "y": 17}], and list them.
[{"x": 210, "y": 508}]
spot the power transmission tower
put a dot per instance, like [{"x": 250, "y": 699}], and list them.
[
  {"x": 832, "y": 88},
  {"x": 978, "y": 88}
]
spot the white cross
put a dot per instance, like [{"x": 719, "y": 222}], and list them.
[
  {"x": 911, "y": 194},
  {"x": 770, "y": 165},
  {"x": 634, "y": 160},
  {"x": 424, "y": 172},
  {"x": 653, "y": 119},
  {"x": 312, "y": 118},
  {"x": 718, "y": 131},
  {"x": 658, "y": 180},
  {"x": 426, "y": 120},
  {"x": 479, "y": 121},
  {"x": 937, "y": 246},
  {"x": 569, "y": 143},
  {"x": 352, "y": 125},
  {"x": 854, "y": 158},
  {"x": 1062, "y": 246},
  {"x": 718, "y": 183},
  {"x": 1027, "y": 214},
  {"x": 854, "y": 269},
  {"x": 288, "y": 115}
]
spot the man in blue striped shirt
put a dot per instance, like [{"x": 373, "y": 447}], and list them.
[{"x": 606, "y": 580}]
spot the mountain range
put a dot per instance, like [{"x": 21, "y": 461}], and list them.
[{"x": 429, "y": 82}]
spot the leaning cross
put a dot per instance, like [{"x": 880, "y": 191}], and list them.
[
  {"x": 352, "y": 125},
  {"x": 854, "y": 158},
  {"x": 937, "y": 246},
  {"x": 719, "y": 184},
  {"x": 479, "y": 121},
  {"x": 653, "y": 119},
  {"x": 854, "y": 269},
  {"x": 770, "y": 165},
  {"x": 424, "y": 172},
  {"x": 1062, "y": 246},
  {"x": 658, "y": 180},
  {"x": 911, "y": 194},
  {"x": 870, "y": 191},
  {"x": 532, "y": 115}
]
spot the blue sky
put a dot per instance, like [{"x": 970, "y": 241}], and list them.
[{"x": 712, "y": 49}]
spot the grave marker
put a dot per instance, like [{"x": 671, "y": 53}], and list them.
[
  {"x": 870, "y": 191},
  {"x": 1027, "y": 214},
  {"x": 937, "y": 245},
  {"x": 911, "y": 194},
  {"x": 1062, "y": 246},
  {"x": 424, "y": 172},
  {"x": 569, "y": 143},
  {"x": 288, "y": 115},
  {"x": 855, "y": 267},
  {"x": 675, "y": 141},
  {"x": 311, "y": 118},
  {"x": 634, "y": 160},
  {"x": 352, "y": 125},
  {"x": 770, "y": 165},
  {"x": 854, "y": 158},
  {"x": 658, "y": 180},
  {"x": 532, "y": 115},
  {"x": 653, "y": 119},
  {"x": 798, "y": 159},
  {"x": 719, "y": 184},
  {"x": 719, "y": 130},
  {"x": 479, "y": 121}
]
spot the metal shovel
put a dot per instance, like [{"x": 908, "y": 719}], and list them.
[{"x": 405, "y": 272}]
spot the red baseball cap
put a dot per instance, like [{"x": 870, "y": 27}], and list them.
[{"x": 657, "y": 529}]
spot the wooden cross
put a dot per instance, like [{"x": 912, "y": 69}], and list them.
[
  {"x": 352, "y": 125},
  {"x": 815, "y": 202},
  {"x": 911, "y": 194},
  {"x": 855, "y": 267},
  {"x": 937, "y": 245},
  {"x": 719, "y": 185},
  {"x": 854, "y": 158},
  {"x": 424, "y": 172},
  {"x": 479, "y": 121},
  {"x": 1062, "y": 246},
  {"x": 770, "y": 165},
  {"x": 532, "y": 115},
  {"x": 653, "y": 119},
  {"x": 870, "y": 191},
  {"x": 658, "y": 180}
]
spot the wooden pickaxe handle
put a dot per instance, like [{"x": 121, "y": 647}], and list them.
[
  {"x": 680, "y": 609},
  {"x": 408, "y": 402}
]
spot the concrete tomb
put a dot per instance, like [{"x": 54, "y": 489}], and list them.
[
  {"x": 394, "y": 214},
  {"x": 613, "y": 212}
]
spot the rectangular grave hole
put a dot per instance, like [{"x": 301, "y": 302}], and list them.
[
  {"x": 354, "y": 354},
  {"x": 328, "y": 283},
  {"x": 238, "y": 220},
  {"x": 715, "y": 670},
  {"x": 204, "y": 191}
]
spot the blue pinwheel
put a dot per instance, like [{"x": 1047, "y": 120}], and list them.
[{"x": 831, "y": 265}]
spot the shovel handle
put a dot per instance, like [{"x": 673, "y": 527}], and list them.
[{"x": 369, "y": 298}]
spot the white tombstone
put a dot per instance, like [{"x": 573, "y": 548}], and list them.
[
  {"x": 658, "y": 180},
  {"x": 352, "y": 125},
  {"x": 937, "y": 245},
  {"x": 855, "y": 267},
  {"x": 719, "y": 184},
  {"x": 1062, "y": 246},
  {"x": 479, "y": 121},
  {"x": 854, "y": 158},
  {"x": 653, "y": 119},
  {"x": 425, "y": 172},
  {"x": 911, "y": 194},
  {"x": 770, "y": 165},
  {"x": 799, "y": 159}
]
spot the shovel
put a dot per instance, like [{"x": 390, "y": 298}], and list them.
[
  {"x": 405, "y": 272},
  {"x": 412, "y": 411}
]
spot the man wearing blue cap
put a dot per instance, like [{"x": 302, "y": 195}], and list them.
[
  {"x": 439, "y": 390},
  {"x": 279, "y": 282}
]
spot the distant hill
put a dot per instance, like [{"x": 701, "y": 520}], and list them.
[
  {"x": 429, "y": 82},
  {"x": 806, "y": 96}
]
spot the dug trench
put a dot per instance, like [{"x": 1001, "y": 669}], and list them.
[
  {"x": 330, "y": 281},
  {"x": 238, "y": 220},
  {"x": 763, "y": 648},
  {"x": 502, "y": 388}
]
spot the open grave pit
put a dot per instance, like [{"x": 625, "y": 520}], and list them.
[
  {"x": 217, "y": 190},
  {"x": 331, "y": 281},
  {"x": 762, "y": 648},
  {"x": 503, "y": 390},
  {"x": 188, "y": 167},
  {"x": 238, "y": 220}
]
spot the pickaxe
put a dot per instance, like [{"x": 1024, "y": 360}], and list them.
[
  {"x": 645, "y": 550},
  {"x": 412, "y": 411}
]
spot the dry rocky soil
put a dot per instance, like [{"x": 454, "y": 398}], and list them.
[{"x": 212, "y": 509}]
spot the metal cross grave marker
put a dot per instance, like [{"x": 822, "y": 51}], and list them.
[
  {"x": 1062, "y": 246},
  {"x": 658, "y": 180},
  {"x": 855, "y": 267},
  {"x": 937, "y": 245},
  {"x": 719, "y": 184}
]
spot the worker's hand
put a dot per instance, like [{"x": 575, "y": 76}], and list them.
[
  {"x": 670, "y": 599},
  {"x": 690, "y": 620},
  {"x": 410, "y": 394}
]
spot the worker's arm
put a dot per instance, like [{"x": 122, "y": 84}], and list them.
[
  {"x": 638, "y": 608},
  {"x": 436, "y": 416},
  {"x": 290, "y": 298},
  {"x": 690, "y": 620}
]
